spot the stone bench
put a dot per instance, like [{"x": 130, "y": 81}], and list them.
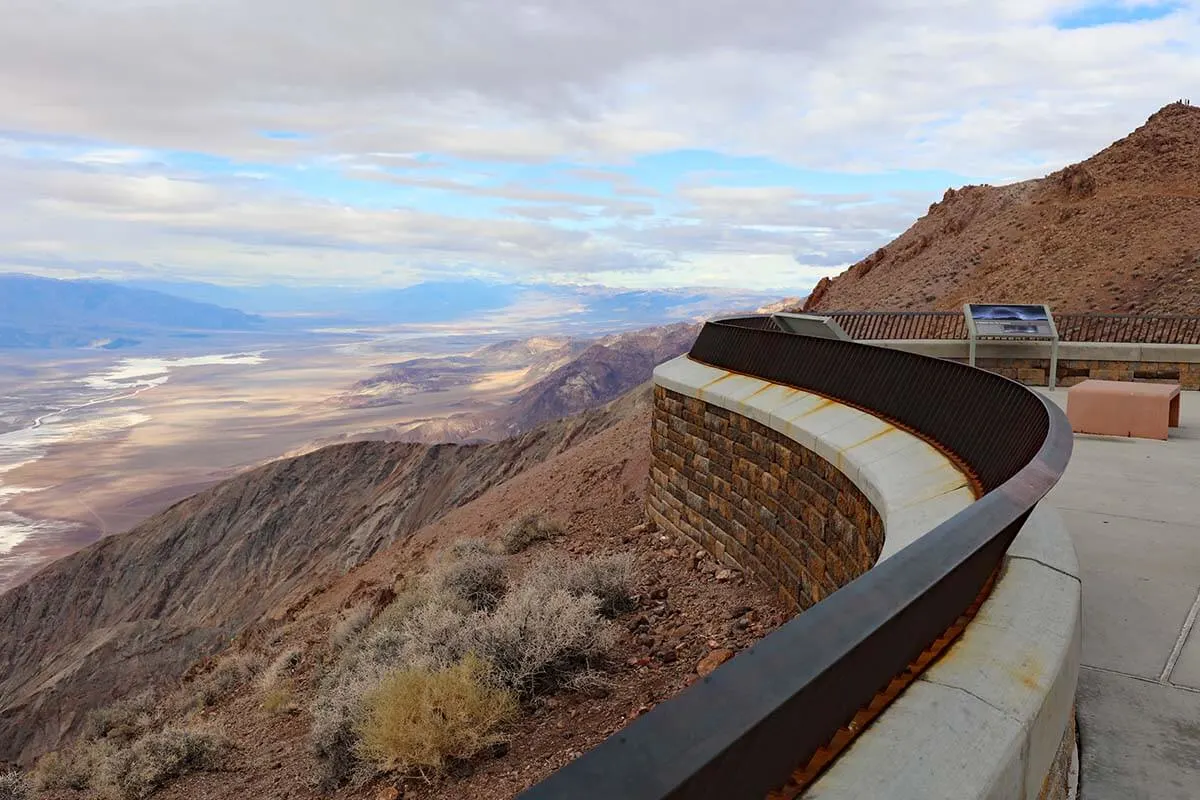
[{"x": 1123, "y": 408}]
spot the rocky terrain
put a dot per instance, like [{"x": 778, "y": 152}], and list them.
[
  {"x": 603, "y": 371},
  {"x": 1119, "y": 232},
  {"x": 267, "y": 563},
  {"x": 145, "y": 604},
  {"x": 530, "y": 360}
]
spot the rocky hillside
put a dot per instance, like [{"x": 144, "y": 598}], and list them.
[
  {"x": 141, "y": 607},
  {"x": 603, "y": 371},
  {"x": 1118, "y": 232},
  {"x": 532, "y": 359}
]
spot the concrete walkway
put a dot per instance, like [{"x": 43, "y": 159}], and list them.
[{"x": 1132, "y": 507}]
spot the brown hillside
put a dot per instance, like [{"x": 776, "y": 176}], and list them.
[
  {"x": 140, "y": 607},
  {"x": 1118, "y": 232}
]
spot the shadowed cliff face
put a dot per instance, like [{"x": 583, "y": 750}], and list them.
[
  {"x": 1117, "y": 232},
  {"x": 140, "y": 607}
]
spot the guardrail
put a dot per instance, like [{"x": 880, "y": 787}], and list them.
[
  {"x": 747, "y": 727},
  {"x": 1107, "y": 328}
]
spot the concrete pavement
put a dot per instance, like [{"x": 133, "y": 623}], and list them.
[{"x": 1132, "y": 507}]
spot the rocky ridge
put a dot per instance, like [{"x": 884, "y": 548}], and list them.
[{"x": 1118, "y": 232}]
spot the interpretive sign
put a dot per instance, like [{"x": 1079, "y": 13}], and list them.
[
  {"x": 1000, "y": 322},
  {"x": 810, "y": 325}
]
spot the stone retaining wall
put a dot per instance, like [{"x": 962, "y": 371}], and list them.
[
  {"x": 993, "y": 717},
  {"x": 758, "y": 500},
  {"x": 1077, "y": 361}
]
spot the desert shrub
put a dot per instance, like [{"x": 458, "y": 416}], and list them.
[
  {"x": 609, "y": 578},
  {"x": 281, "y": 668},
  {"x": 349, "y": 626},
  {"x": 74, "y": 767},
  {"x": 478, "y": 578},
  {"x": 399, "y": 609},
  {"x": 527, "y": 530},
  {"x": 536, "y": 639},
  {"x": 157, "y": 758},
  {"x": 123, "y": 721},
  {"x": 14, "y": 786},
  {"x": 279, "y": 700},
  {"x": 546, "y": 633},
  {"x": 472, "y": 547},
  {"x": 229, "y": 675},
  {"x": 335, "y": 712},
  {"x": 415, "y": 720}
]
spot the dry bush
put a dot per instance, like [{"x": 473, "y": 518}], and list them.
[
  {"x": 14, "y": 786},
  {"x": 151, "y": 762},
  {"x": 472, "y": 547},
  {"x": 74, "y": 767},
  {"x": 536, "y": 640},
  {"x": 280, "y": 700},
  {"x": 335, "y": 712},
  {"x": 610, "y": 579},
  {"x": 545, "y": 634},
  {"x": 281, "y": 668},
  {"x": 478, "y": 578},
  {"x": 349, "y": 626},
  {"x": 399, "y": 609},
  {"x": 123, "y": 721},
  {"x": 528, "y": 530},
  {"x": 229, "y": 675},
  {"x": 415, "y": 720}
]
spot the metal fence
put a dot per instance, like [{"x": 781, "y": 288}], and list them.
[
  {"x": 746, "y": 728},
  {"x": 1111, "y": 328}
]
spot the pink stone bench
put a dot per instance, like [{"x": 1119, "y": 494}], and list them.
[{"x": 1123, "y": 408}]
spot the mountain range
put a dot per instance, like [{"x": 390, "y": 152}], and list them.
[{"x": 40, "y": 312}]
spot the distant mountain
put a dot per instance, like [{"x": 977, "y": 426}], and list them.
[
  {"x": 44, "y": 312},
  {"x": 583, "y": 379},
  {"x": 582, "y": 308}
]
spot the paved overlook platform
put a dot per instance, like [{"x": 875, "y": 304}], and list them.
[{"x": 1132, "y": 507}]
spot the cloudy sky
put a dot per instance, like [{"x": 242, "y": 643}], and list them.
[{"x": 643, "y": 143}]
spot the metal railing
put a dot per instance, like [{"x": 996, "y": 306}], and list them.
[
  {"x": 901, "y": 324},
  {"x": 1109, "y": 328},
  {"x": 743, "y": 730},
  {"x": 1122, "y": 328}
]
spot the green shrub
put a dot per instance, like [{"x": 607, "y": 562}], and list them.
[
  {"x": 528, "y": 530},
  {"x": 415, "y": 720},
  {"x": 14, "y": 786}
]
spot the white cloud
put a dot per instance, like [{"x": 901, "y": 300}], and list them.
[{"x": 395, "y": 92}]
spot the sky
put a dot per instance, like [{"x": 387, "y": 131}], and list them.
[{"x": 749, "y": 144}]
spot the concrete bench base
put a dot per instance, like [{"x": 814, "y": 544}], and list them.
[{"x": 1122, "y": 408}]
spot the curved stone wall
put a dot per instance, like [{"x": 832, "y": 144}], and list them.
[
  {"x": 758, "y": 500},
  {"x": 807, "y": 494}
]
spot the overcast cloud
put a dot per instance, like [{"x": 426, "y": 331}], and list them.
[{"x": 747, "y": 143}]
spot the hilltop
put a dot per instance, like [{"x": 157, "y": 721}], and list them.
[{"x": 1118, "y": 232}]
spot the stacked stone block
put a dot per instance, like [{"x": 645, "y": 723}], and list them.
[
  {"x": 757, "y": 500},
  {"x": 1033, "y": 371}
]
